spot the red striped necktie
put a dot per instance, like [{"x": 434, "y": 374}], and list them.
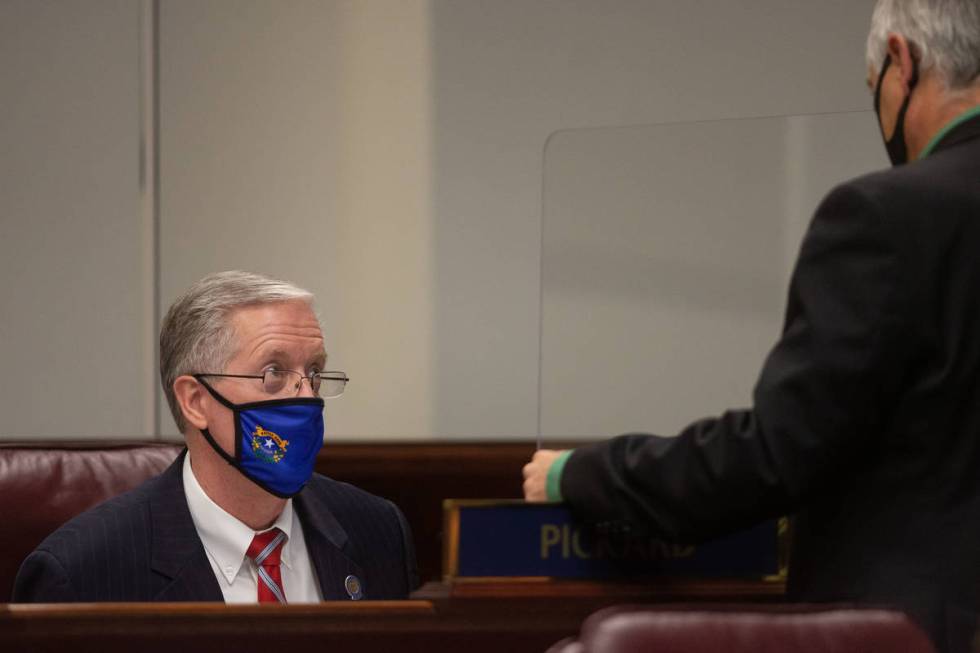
[{"x": 265, "y": 551}]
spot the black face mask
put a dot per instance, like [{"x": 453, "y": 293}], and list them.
[{"x": 897, "y": 150}]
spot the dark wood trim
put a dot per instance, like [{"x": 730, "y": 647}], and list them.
[{"x": 418, "y": 476}]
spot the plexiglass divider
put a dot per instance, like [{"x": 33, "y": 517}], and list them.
[{"x": 666, "y": 254}]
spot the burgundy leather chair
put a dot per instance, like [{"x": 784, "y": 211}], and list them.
[
  {"x": 747, "y": 629},
  {"x": 43, "y": 485}
]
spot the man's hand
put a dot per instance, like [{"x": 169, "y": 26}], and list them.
[{"x": 536, "y": 474}]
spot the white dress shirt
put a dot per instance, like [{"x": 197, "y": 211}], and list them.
[{"x": 226, "y": 541}]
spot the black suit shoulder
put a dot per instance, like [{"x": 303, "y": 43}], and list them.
[
  {"x": 940, "y": 188},
  {"x": 111, "y": 552},
  {"x": 95, "y": 556}
]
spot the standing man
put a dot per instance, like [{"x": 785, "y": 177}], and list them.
[
  {"x": 866, "y": 417},
  {"x": 239, "y": 516}
]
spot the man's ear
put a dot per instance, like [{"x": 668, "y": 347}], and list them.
[
  {"x": 191, "y": 397},
  {"x": 900, "y": 51}
]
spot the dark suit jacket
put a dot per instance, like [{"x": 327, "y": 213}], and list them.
[
  {"x": 866, "y": 418},
  {"x": 142, "y": 546}
]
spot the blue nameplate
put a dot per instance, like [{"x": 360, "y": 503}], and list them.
[{"x": 513, "y": 538}]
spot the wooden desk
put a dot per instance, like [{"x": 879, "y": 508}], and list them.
[
  {"x": 474, "y": 617},
  {"x": 348, "y": 627},
  {"x": 657, "y": 590},
  {"x": 213, "y": 627},
  {"x": 558, "y": 607}
]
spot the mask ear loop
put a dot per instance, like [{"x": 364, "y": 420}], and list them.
[
  {"x": 913, "y": 80},
  {"x": 896, "y": 146},
  {"x": 881, "y": 79},
  {"x": 234, "y": 461},
  {"x": 214, "y": 393}
]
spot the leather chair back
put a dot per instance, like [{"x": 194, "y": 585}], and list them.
[
  {"x": 751, "y": 629},
  {"x": 43, "y": 485}
]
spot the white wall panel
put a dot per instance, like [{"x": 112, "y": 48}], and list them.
[
  {"x": 294, "y": 142},
  {"x": 73, "y": 331},
  {"x": 387, "y": 154}
]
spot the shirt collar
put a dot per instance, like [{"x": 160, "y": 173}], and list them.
[
  {"x": 947, "y": 128},
  {"x": 224, "y": 537}
]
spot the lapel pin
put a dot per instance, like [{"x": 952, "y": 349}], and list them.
[{"x": 353, "y": 586}]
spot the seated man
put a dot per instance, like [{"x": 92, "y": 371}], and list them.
[{"x": 239, "y": 516}]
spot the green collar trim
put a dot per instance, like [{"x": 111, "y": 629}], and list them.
[{"x": 950, "y": 126}]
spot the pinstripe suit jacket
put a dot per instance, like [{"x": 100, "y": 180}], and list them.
[{"x": 142, "y": 546}]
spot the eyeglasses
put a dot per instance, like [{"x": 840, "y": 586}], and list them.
[{"x": 280, "y": 382}]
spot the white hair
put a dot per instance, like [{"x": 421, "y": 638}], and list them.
[
  {"x": 196, "y": 335},
  {"x": 945, "y": 34}
]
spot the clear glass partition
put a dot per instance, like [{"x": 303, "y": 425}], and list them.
[{"x": 666, "y": 253}]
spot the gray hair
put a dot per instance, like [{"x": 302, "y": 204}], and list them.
[
  {"x": 196, "y": 334},
  {"x": 944, "y": 33}
]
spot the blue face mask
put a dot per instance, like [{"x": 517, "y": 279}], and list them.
[{"x": 276, "y": 441}]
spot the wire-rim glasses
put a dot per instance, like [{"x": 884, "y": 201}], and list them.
[{"x": 327, "y": 384}]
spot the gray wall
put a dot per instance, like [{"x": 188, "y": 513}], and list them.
[
  {"x": 75, "y": 332},
  {"x": 386, "y": 154}
]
